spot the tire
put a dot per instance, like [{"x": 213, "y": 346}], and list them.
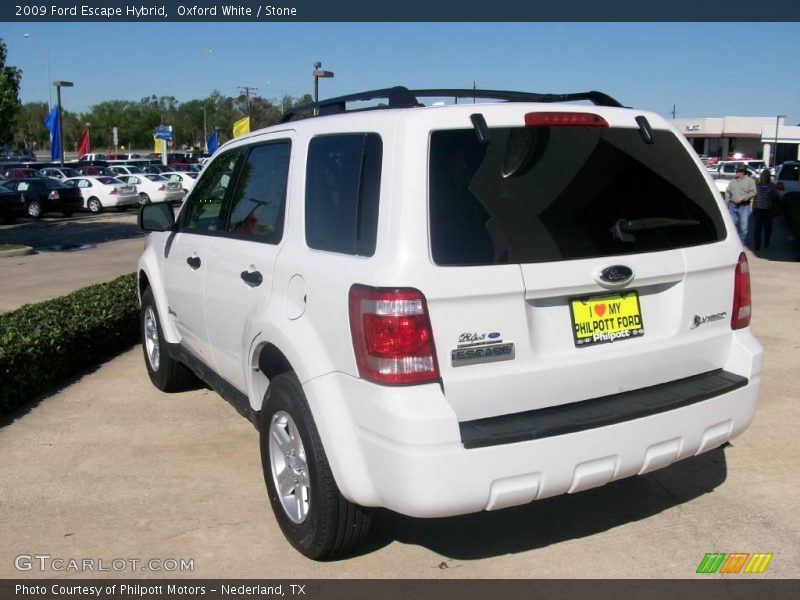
[
  {"x": 167, "y": 374},
  {"x": 34, "y": 209},
  {"x": 144, "y": 198},
  {"x": 94, "y": 205},
  {"x": 325, "y": 524}
]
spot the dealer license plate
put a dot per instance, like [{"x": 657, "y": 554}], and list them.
[{"x": 604, "y": 319}]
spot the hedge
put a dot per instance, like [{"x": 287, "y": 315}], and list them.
[{"x": 43, "y": 344}]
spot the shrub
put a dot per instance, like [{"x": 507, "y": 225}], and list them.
[{"x": 43, "y": 344}]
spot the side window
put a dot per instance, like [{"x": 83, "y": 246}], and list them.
[
  {"x": 84, "y": 183},
  {"x": 257, "y": 206},
  {"x": 204, "y": 206},
  {"x": 134, "y": 180},
  {"x": 343, "y": 180}
]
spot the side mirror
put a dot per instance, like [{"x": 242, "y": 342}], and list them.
[{"x": 156, "y": 217}]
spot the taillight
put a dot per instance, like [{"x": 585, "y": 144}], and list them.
[
  {"x": 162, "y": 188},
  {"x": 564, "y": 119},
  {"x": 741, "y": 295},
  {"x": 392, "y": 335},
  {"x": 53, "y": 195},
  {"x": 113, "y": 191},
  {"x": 780, "y": 186}
]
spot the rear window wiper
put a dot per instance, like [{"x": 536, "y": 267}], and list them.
[{"x": 623, "y": 227}]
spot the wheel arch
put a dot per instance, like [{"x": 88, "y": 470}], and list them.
[
  {"x": 148, "y": 276},
  {"x": 267, "y": 361}
]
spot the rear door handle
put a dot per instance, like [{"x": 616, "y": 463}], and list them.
[
  {"x": 194, "y": 262},
  {"x": 252, "y": 278}
]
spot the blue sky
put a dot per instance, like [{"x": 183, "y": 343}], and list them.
[{"x": 705, "y": 69}]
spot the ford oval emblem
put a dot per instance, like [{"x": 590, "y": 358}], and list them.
[
  {"x": 494, "y": 335},
  {"x": 616, "y": 275}
]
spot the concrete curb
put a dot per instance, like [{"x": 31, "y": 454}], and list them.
[{"x": 16, "y": 252}]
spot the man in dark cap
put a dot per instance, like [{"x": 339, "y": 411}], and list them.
[{"x": 740, "y": 194}]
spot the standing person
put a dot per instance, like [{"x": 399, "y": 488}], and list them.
[
  {"x": 739, "y": 194},
  {"x": 766, "y": 197}
]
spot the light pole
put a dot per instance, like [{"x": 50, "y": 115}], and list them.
[
  {"x": 317, "y": 73},
  {"x": 59, "y": 85},
  {"x": 775, "y": 150},
  {"x": 47, "y": 52}
]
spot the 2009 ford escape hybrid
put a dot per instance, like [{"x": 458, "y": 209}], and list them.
[{"x": 447, "y": 309}]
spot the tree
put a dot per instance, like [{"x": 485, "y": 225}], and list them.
[
  {"x": 9, "y": 95},
  {"x": 29, "y": 130}
]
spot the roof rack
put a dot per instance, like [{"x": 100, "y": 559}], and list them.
[{"x": 401, "y": 97}]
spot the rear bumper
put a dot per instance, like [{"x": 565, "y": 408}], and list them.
[{"x": 402, "y": 448}]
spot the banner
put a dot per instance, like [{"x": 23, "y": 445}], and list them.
[
  {"x": 83, "y": 143},
  {"x": 241, "y": 127},
  {"x": 212, "y": 143},
  {"x": 51, "y": 122},
  {"x": 156, "y": 145}
]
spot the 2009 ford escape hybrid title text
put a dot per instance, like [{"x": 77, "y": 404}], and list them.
[{"x": 448, "y": 309}]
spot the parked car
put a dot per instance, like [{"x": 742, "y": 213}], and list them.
[
  {"x": 45, "y": 194},
  {"x": 442, "y": 310},
  {"x": 124, "y": 169},
  {"x": 58, "y": 173},
  {"x": 12, "y": 205},
  {"x": 186, "y": 179},
  {"x": 787, "y": 177},
  {"x": 94, "y": 171},
  {"x": 20, "y": 154},
  {"x": 154, "y": 188},
  {"x": 19, "y": 173},
  {"x": 727, "y": 169},
  {"x": 105, "y": 192},
  {"x": 158, "y": 169},
  {"x": 94, "y": 156}
]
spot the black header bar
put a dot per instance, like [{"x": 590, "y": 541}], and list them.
[{"x": 272, "y": 11}]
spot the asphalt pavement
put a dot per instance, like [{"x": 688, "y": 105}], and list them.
[{"x": 108, "y": 467}]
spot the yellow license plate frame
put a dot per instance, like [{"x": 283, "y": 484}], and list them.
[{"x": 605, "y": 319}]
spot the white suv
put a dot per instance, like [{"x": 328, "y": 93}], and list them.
[{"x": 448, "y": 309}]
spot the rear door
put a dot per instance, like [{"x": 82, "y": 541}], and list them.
[{"x": 578, "y": 259}]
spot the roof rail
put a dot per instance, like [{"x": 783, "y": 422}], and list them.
[{"x": 401, "y": 97}]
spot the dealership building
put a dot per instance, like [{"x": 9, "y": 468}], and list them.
[{"x": 743, "y": 136}]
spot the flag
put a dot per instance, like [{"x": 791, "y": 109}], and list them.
[
  {"x": 212, "y": 143},
  {"x": 51, "y": 122},
  {"x": 83, "y": 143},
  {"x": 241, "y": 127},
  {"x": 156, "y": 145}
]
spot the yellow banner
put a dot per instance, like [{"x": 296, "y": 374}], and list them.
[
  {"x": 241, "y": 127},
  {"x": 156, "y": 145}
]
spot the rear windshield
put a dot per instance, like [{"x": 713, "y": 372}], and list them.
[{"x": 534, "y": 194}]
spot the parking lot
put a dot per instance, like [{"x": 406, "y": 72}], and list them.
[
  {"x": 71, "y": 253},
  {"x": 107, "y": 467}
]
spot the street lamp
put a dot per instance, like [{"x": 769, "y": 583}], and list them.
[
  {"x": 317, "y": 73},
  {"x": 47, "y": 52},
  {"x": 59, "y": 85},
  {"x": 775, "y": 150}
]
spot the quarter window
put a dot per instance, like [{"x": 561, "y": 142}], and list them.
[{"x": 342, "y": 192}]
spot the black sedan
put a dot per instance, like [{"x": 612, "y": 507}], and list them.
[
  {"x": 43, "y": 194},
  {"x": 11, "y": 205}
]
